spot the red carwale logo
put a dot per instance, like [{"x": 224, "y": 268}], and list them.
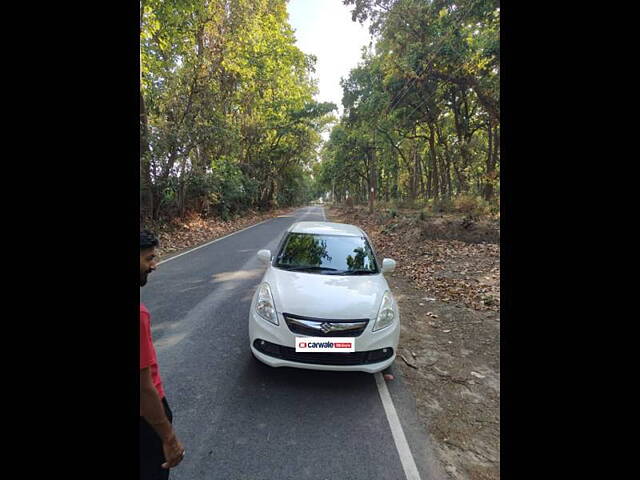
[{"x": 325, "y": 344}]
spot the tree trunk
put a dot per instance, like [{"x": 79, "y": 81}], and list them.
[
  {"x": 418, "y": 183},
  {"x": 448, "y": 166},
  {"x": 395, "y": 183},
  {"x": 460, "y": 180},
  {"x": 156, "y": 195},
  {"x": 444, "y": 176},
  {"x": 424, "y": 166},
  {"x": 491, "y": 163},
  {"x": 181, "y": 194},
  {"x": 372, "y": 179},
  {"x": 429, "y": 171},
  {"x": 496, "y": 151},
  {"x": 461, "y": 132},
  {"x": 146, "y": 196},
  {"x": 446, "y": 161},
  {"x": 412, "y": 173},
  {"x": 387, "y": 186},
  {"x": 434, "y": 161}
]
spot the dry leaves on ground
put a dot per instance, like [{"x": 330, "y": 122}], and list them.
[
  {"x": 193, "y": 230},
  {"x": 452, "y": 270}
]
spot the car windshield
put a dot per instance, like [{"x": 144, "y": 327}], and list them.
[{"x": 326, "y": 254}]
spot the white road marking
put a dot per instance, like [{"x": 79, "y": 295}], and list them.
[
  {"x": 213, "y": 241},
  {"x": 218, "y": 239},
  {"x": 406, "y": 457}
]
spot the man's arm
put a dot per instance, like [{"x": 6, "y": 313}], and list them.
[{"x": 152, "y": 410}]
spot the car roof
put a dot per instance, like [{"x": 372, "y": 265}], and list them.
[{"x": 326, "y": 228}]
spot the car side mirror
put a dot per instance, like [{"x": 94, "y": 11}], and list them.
[
  {"x": 388, "y": 265},
  {"x": 264, "y": 256}
]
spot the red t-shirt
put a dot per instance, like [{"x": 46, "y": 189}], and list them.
[{"x": 147, "y": 351}]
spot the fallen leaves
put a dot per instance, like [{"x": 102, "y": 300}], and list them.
[
  {"x": 452, "y": 270},
  {"x": 193, "y": 230}
]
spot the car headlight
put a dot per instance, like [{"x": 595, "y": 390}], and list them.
[
  {"x": 265, "y": 306},
  {"x": 386, "y": 314}
]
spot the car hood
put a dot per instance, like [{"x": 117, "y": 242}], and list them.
[{"x": 326, "y": 296}]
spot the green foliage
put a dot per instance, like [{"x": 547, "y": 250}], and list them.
[
  {"x": 423, "y": 215},
  {"x": 464, "y": 204},
  {"x": 228, "y": 120},
  {"x": 473, "y": 206},
  {"x": 441, "y": 205},
  {"x": 424, "y": 106}
]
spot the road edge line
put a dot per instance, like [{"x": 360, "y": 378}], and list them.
[
  {"x": 213, "y": 241},
  {"x": 406, "y": 457}
]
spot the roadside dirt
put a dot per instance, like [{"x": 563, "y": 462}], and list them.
[
  {"x": 447, "y": 284},
  {"x": 184, "y": 233}
]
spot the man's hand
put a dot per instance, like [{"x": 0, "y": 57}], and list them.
[
  {"x": 152, "y": 410},
  {"x": 173, "y": 452}
]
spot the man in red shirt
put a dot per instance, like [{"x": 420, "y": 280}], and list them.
[{"x": 160, "y": 449}]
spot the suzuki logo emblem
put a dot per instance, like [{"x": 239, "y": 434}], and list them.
[{"x": 326, "y": 327}]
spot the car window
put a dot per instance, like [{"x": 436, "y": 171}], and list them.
[{"x": 326, "y": 254}]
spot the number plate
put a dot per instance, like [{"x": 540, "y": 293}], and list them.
[{"x": 326, "y": 344}]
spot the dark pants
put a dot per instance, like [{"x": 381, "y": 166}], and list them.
[{"x": 151, "y": 453}]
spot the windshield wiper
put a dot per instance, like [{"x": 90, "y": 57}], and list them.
[
  {"x": 358, "y": 272},
  {"x": 306, "y": 267}
]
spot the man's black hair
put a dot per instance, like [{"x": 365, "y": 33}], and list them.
[{"x": 147, "y": 240}]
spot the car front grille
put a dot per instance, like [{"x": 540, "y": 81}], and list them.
[
  {"x": 323, "y": 358},
  {"x": 323, "y": 327}
]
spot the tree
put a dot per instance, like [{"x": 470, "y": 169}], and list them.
[
  {"x": 228, "y": 121},
  {"x": 421, "y": 112}
]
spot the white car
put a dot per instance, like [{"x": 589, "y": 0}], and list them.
[{"x": 324, "y": 283}]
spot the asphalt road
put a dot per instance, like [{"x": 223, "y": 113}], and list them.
[{"x": 239, "y": 419}]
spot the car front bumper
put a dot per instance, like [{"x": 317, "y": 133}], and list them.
[{"x": 260, "y": 329}]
